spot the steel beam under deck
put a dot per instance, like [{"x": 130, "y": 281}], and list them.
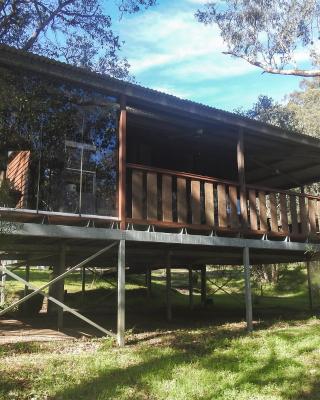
[{"x": 80, "y": 233}]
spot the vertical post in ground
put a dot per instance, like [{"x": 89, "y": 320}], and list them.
[
  {"x": 190, "y": 288},
  {"x": 25, "y": 290},
  {"x": 148, "y": 281},
  {"x": 309, "y": 285},
  {"x": 121, "y": 292},
  {"x": 83, "y": 280},
  {"x": 27, "y": 278},
  {"x": 168, "y": 288},
  {"x": 248, "y": 297},
  {"x": 203, "y": 285},
  {"x": 2, "y": 284},
  {"x": 60, "y": 284}
]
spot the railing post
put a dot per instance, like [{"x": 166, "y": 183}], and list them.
[
  {"x": 241, "y": 174},
  {"x": 122, "y": 162}
]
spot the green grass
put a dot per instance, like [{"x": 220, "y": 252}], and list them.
[
  {"x": 197, "y": 356},
  {"x": 281, "y": 361}
]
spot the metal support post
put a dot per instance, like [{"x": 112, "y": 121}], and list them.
[
  {"x": 168, "y": 289},
  {"x": 60, "y": 287},
  {"x": 203, "y": 285},
  {"x": 190, "y": 288},
  {"x": 248, "y": 297},
  {"x": 2, "y": 284},
  {"x": 149, "y": 281},
  {"x": 121, "y": 293},
  {"x": 309, "y": 285},
  {"x": 83, "y": 280},
  {"x": 27, "y": 277}
]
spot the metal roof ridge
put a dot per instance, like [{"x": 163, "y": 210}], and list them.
[{"x": 123, "y": 83}]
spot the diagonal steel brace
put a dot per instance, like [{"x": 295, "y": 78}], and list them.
[
  {"x": 59, "y": 303},
  {"x": 38, "y": 290}
]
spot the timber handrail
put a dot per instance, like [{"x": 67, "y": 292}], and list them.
[
  {"x": 218, "y": 180},
  {"x": 181, "y": 174},
  {"x": 170, "y": 199}
]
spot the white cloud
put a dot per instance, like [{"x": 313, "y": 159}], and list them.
[
  {"x": 172, "y": 52},
  {"x": 157, "y": 40},
  {"x": 209, "y": 68}
]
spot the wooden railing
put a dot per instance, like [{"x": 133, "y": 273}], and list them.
[{"x": 174, "y": 199}]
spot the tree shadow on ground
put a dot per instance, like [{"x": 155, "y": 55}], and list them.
[{"x": 213, "y": 357}]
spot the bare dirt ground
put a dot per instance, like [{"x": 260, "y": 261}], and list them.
[{"x": 15, "y": 331}]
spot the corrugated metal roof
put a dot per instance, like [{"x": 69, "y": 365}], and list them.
[{"x": 161, "y": 98}]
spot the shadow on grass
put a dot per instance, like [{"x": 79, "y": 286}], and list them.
[{"x": 215, "y": 358}]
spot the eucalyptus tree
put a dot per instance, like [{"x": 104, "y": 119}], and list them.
[
  {"x": 278, "y": 36},
  {"x": 78, "y": 32}
]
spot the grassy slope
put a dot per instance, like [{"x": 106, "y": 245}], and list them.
[{"x": 279, "y": 362}]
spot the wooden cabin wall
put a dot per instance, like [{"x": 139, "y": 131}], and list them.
[{"x": 18, "y": 174}]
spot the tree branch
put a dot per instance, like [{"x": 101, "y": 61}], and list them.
[
  {"x": 42, "y": 25},
  {"x": 277, "y": 71}
]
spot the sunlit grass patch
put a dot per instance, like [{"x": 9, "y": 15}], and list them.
[{"x": 281, "y": 362}]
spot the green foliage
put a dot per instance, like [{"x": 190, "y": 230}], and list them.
[
  {"x": 304, "y": 105},
  {"x": 291, "y": 279},
  {"x": 76, "y": 31},
  {"x": 268, "y": 111},
  {"x": 268, "y": 33}
]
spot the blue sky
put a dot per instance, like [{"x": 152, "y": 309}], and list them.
[{"x": 170, "y": 51}]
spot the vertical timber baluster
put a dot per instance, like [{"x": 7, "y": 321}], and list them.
[
  {"x": 294, "y": 216},
  {"x": 222, "y": 206},
  {"x": 233, "y": 197},
  {"x": 284, "y": 213},
  {"x": 263, "y": 212},
  {"x": 312, "y": 215},
  {"x": 195, "y": 202},
  {"x": 303, "y": 215},
  {"x": 152, "y": 196},
  {"x": 182, "y": 210},
  {"x": 253, "y": 210},
  {"x": 273, "y": 212},
  {"x": 167, "y": 198},
  {"x": 137, "y": 194},
  {"x": 209, "y": 203}
]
